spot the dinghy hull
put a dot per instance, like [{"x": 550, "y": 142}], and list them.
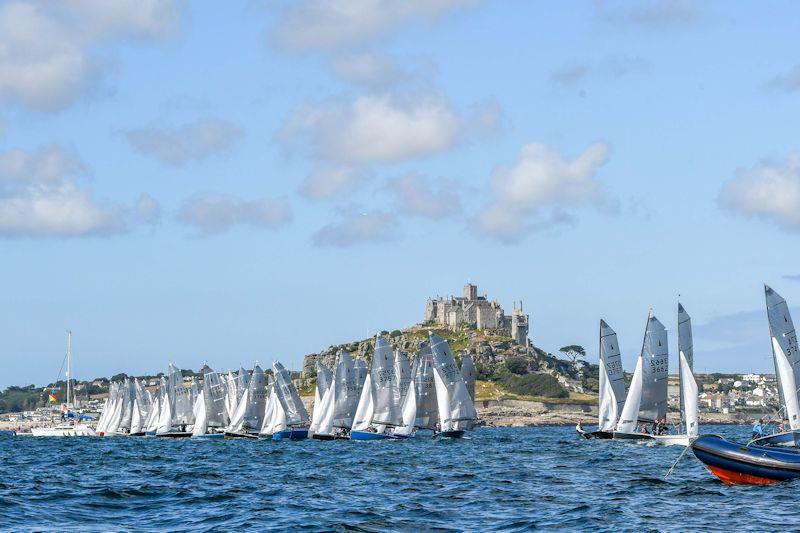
[
  {"x": 604, "y": 435},
  {"x": 368, "y": 435},
  {"x": 232, "y": 435},
  {"x": 175, "y": 434},
  {"x": 452, "y": 434},
  {"x": 317, "y": 436},
  {"x": 291, "y": 434},
  {"x": 671, "y": 440},
  {"x": 789, "y": 439},
  {"x": 209, "y": 436},
  {"x": 734, "y": 463},
  {"x": 618, "y": 435}
]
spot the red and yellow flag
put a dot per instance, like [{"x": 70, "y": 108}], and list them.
[{"x": 52, "y": 398}]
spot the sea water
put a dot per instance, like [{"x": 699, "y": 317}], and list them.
[{"x": 494, "y": 479}]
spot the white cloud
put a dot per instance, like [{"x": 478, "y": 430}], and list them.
[
  {"x": 48, "y": 49},
  {"x": 189, "y": 142},
  {"x": 355, "y": 226},
  {"x": 419, "y": 196},
  {"x": 770, "y": 191},
  {"x": 375, "y": 128},
  {"x": 329, "y": 182},
  {"x": 370, "y": 69},
  {"x": 40, "y": 196},
  {"x": 328, "y": 24},
  {"x": 213, "y": 213},
  {"x": 542, "y": 179}
]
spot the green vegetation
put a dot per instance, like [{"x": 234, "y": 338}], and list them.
[{"x": 543, "y": 385}]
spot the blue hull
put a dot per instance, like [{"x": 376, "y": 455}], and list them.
[
  {"x": 209, "y": 436},
  {"x": 291, "y": 434},
  {"x": 367, "y": 435},
  {"x": 787, "y": 438},
  {"x": 735, "y": 463}
]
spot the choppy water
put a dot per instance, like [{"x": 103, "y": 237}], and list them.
[{"x": 498, "y": 479}]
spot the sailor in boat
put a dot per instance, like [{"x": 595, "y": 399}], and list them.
[
  {"x": 758, "y": 431},
  {"x": 579, "y": 427}
]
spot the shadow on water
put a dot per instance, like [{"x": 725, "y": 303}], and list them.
[{"x": 509, "y": 479}]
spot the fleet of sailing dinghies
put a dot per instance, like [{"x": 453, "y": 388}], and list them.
[
  {"x": 394, "y": 397},
  {"x": 624, "y": 416}
]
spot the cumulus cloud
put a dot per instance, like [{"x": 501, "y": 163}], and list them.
[
  {"x": 419, "y": 196},
  {"x": 189, "y": 142},
  {"x": 788, "y": 82},
  {"x": 355, "y": 226},
  {"x": 48, "y": 50},
  {"x": 330, "y": 24},
  {"x": 649, "y": 14},
  {"x": 769, "y": 191},
  {"x": 41, "y": 196},
  {"x": 329, "y": 182},
  {"x": 213, "y": 213},
  {"x": 375, "y": 128},
  {"x": 542, "y": 179}
]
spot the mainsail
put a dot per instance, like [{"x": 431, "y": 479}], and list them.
[
  {"x": 611, "y": 379},
  {"x": 293, "y": 407},
  {"x": 384, "y": 386},
  {"x": 427, "y": 407},
  {"x": 347, "y": 393},
  {"x": 785, "y": 354},
  {"x": 685, "y": 365},
  {"x": 214, "y": 394},
  {"x": 454, "y": 401},
  {"x": 324, "y": 381},
  {"x": 655, "y": 368},
  {"x": 402, "y": 371},
  {"x": 469, "y": 373},
  {"x": 250, "y": 411},
  {"x": 409, "y": 407}
]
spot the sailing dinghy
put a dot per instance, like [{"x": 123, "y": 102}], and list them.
[
  {"x": 688, "y": 386},
  {"x": 427, "y": 416},
  {"x": 173, "y": 413},
  {"x": 454, "y": 402},
  {"x": 379, "y": 407},
  {"x": 647, "y": 395},
  {"x": 295, "y": 417},
  {"x": 611, "y": 398},
  {"x": 786, "y": 356},
  {"x": 324, "y": 382},
  {"x": 211, "y": 413},
  {"x": 249, "y": 415}
]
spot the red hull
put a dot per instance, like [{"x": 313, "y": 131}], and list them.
[{"x": 736, "y": 478}]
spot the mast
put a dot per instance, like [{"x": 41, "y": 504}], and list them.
[{"x": 69, "y": 366}]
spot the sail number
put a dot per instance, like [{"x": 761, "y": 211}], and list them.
[{"x": 659, "y": 365}]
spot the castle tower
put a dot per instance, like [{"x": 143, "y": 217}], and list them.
[
  {"x": 470, "y": 292},
  {"x": 519, "y": 324}
]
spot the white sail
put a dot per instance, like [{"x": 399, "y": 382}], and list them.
[
  {"x": 127, "y": 405},
  {"x": 785, "y": 353},
  {"x": 427, "y": 408},
  {"x": 454, "y": 401},
  {"x": 324, "y": 380},
  {"x": 363, "y": 416},
  {"x": 655, "y": 372},
  {"x": 629, "y": 418},
  {"x": 250, "y": 411},
  {"x": 119, "y": 408},
  {"x": 278, "y": 419},
  {"x": 611, "y": 379},
  {"x": 214, "y": 394},
  {"x": 688, "y": 396},
  {"x": 231, "y": 395},
  {"x": 469, "y": 373},
  {"x": 269, "y": 410},
  {"x": 155, "y": 412},
  {"x": 386, "y": 409},
  {"x": 200, "y": 419},
  {"x": 402, "y": 371},
  {"x": 288, "y": 397},
  {"x": 409, "y": 407},
  {"x": 165, "y": 414},
  {"x": 347, "y": 393},
  {"x": 685, "y": 364},
  {"x": 327, "y": 410}
]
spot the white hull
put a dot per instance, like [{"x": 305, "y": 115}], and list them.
[
  {"x": 671, "y": 440},
  {"x": 80, "y": 430}
]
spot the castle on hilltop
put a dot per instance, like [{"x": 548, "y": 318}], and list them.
[{"x": 478, "y": 312}]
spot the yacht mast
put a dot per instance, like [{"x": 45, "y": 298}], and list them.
[{"x": 69, "y": 366}]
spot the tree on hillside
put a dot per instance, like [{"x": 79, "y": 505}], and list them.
[{"x": 573, "y": 352}]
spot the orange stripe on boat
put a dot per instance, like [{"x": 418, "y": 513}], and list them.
[{"x": 733, "y": 478}]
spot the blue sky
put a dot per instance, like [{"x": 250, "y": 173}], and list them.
[{"x": 259, "y": 180}]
